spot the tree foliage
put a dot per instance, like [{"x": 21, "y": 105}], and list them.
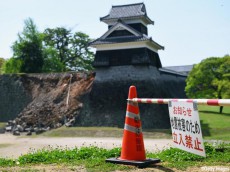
[
  {"x": 224, "y": 83},
  {"x": 2, "y": 60},
  {"x": 57, "y": 42},
  {"x": 70, "y": 49},
  {"x": 12, "y": 65},
  {"x": 81, "y": 56},
  {"x": 54, "y": 50},
  {"x": 210, "y": 79},
  {"x": 28, "y": 48}
]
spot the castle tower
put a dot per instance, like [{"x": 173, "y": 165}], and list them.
[
  {"x": 126, "y": 42},
  {"x": 126, "y": 55}
]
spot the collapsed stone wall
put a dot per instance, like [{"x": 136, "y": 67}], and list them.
[
  {"x": 39, "y": 100},
  {"x": 106, "y": 103},
  {"x": 42, "y": 99}
]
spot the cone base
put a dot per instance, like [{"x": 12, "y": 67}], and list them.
[{"x": 140, "y": 164}]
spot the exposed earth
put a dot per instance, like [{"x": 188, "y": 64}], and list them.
[{"x": 54, "y": 101}]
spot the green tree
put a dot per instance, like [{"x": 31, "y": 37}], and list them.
[
  {"x": 57, "y": 42},
  {"x": 54, "y": 50},
  {"x": 224, "y": 83},
  {"x": 81, "y": 56},
  {"x": 51, "y": 62},
  {"x": 2, "y": 60},
  {"x": 29, "y": 49},
  {"x": 209, "y": 79},
  {"x": 70, "y": 50},
  {"x": 13, "y": 65}
]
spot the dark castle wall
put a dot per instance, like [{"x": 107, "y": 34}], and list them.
[
  {"x": 134, "y": 56},
  {"x": 106, "y": 103},
  {"x": 13, "y": 96}
]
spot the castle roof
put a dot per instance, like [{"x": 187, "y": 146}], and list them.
[
  {"x": 171, "y": 72},
  {"x": 125, "y": 39},
  {"x": 114, "y": 40},
  {"x": 135, "y": 36},
  {"x": 180, "y": 69},
  {"x": 129, "y": 11},
  {"x": 121, "y": 25}
]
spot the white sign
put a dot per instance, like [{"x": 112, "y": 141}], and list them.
[{"x": 186, "y": 128}]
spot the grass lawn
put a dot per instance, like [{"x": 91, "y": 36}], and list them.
[
  {"x": 2, "y": 124},
  {"x": 93, "y": 159},
  {"x": 214, "y": 125}
]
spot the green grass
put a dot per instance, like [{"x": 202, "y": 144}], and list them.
[
  {"x": 93, "y": 158},
  {"x": 184, "y": 159},
  {"x": 2, "y": 124},
  {"x": 214, "y": 125}
]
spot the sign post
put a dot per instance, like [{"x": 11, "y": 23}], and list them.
[{"x": 186, "y": 128}]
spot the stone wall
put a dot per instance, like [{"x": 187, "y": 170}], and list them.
[
  {"x": 13, "y": 96},
  {"x": 106, "y": 103}
]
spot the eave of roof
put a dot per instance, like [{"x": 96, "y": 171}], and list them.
[
  {"x": 143, "y": 17},
  {"x": 125, "y": 39},
  {"x": 182, "y": 68},
  {"x": 172, "y": 72},
  {"x": 160, "y": 46},
  {"x": 115, "y": 40}
]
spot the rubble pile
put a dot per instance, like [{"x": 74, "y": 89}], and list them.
[{"x": 55, "y": 101}]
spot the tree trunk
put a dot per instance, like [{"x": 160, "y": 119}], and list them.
[{"x": 221, "y": 109}]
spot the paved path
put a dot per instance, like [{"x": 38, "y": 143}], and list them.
[{"x": 14, "y": 146}]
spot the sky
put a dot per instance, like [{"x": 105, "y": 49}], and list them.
[{"x": 190, "y": 30}]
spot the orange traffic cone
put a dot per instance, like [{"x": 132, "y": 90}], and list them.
[{"x": 133, "y": 150}]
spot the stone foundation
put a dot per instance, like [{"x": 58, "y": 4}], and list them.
[{"x": 106, "y": 103}]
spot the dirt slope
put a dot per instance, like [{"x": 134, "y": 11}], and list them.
[{"x": 55, "y": 100}]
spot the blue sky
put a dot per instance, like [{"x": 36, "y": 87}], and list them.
[{"x": 190, "y": 30}]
